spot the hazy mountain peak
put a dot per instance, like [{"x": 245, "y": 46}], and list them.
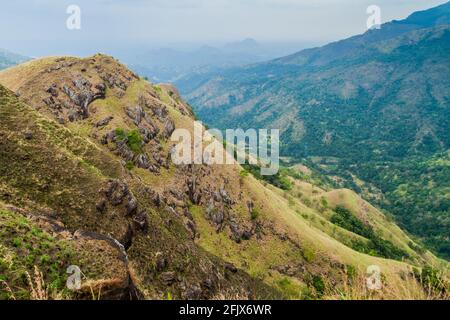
[
  {"x": 435, "y": 16},
  {"x": 344, "y": 48},
  {"x": 246, "y": 44}
]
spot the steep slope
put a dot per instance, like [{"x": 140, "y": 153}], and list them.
[
  {"x": 352, "y": 47},
  {"x": 85, "y": 157},
  {"x": 353, "y": 106}
]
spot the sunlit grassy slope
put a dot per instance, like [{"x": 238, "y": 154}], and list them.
[{"x": 228, "y": 236}]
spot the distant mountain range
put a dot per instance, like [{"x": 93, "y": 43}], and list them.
[
  {"x": 170, "y": 65},
  {"x": 372, "y": 110},
  {"x": 9, "y": 59}
]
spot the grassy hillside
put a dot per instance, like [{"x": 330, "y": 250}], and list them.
[{"x": 86, "y": 175}]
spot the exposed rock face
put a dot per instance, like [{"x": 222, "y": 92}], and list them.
[
  {"x": 148, "y": 132},
  {"x": 192, "y": 191},
  {"x": 132, "y": 205},
  {"x": 117, "y": 194},
  {"x": 101, "y": 206},
  {"x": 116, "y": 191},
  {"x": 104, "y": 121},
  {"x": 147, "y": 117},
  {"x": 193, "y": 292},
  {"x": 159, "y": 111},
  {"x": 236, "y": 231},
  {"x": 120, "y": 285},
  {"x": 28, "y": 135},
  {"x": 215, "y": 215},
  {"x": 168, "y": 278},
  {"x": 155, "y": 197},
  {"x": 140, "y": 221},
  {"x": 161, "y": 261},
  {"x": 53, "y": 90},
  {"x": 115, "y": 80},
  {"x": 125, "y": 215},
  {"x": 169, "y": 128},
  {"x": 81, "y": 94},
  {"x": 290, "y": 270},
  {"x": 220, "y": 214},
  {"x": 74, "y": 87},
  {"x": 192, "y": 228},
  {"x": 127, "y": 238}
]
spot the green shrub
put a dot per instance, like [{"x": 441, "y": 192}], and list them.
[
  {"x": 133, "y": 139},
  {"x": 376, "y": 246},
  {"x": 45, "y": 259},
  {"x": 129, "y": 165},
  {"x": 243, "y": 173},
  {"x": 308, "y": 255},
  {"x": 432, "y": 279},
  {"x": 120, "y": 134},
  {"x": 351, "y": 272},
  {"x": 279, "y": 180},
  {"x": 319, "y": 285},
  {"x": 17, "y": 242},
  {"x": 255, "y": 214}
]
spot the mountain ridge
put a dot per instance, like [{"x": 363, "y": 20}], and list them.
[
  {"x": 352, "y": 107},
  {"x": 73, "y": 171},
  {"x": 338, "y": 50}
]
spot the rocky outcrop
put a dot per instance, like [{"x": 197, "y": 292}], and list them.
[
  {"x": 140, "y": 221},
  {"x": 154, "y": 196},
  {"x": 81, "y": 94},
  {"x": 220, "y": 214},
  {"x": 117, "y": 194},
  {"x": 159, "y": 111},
  {"x": 104, "y": 121},
  {"x": 215, "y": 215},
  {"x": 122, "y": 287},
  {"x": 117, "y": 286},
  {"x": 169, "y": 128},
  {"x": 70, "y": 100},
  {"x": 239, "y": 232},
  {"x": 141, "y": 159},
  {"x": 168, "y": 278},
  {"x": 192, "y": 190},
  {"x": 128, "y": 216}
]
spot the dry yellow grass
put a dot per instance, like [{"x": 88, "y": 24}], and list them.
[{"x": 287, "y": 238}]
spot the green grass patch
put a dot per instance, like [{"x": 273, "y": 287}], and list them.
[
  {"x": 132, "y": 138},
  {"x": 23, "y": 246},
  {"x": 376, "y": 245}
]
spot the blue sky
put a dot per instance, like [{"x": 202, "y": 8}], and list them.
[{"x": 38, "y": 27}]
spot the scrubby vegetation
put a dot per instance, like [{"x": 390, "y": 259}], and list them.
[
  {"x": 133, "y": 139},
  {"x": 433, "y": 280},
  {"x": 376, "y": 246},
  {"x": 156, "y": 230},
  {"x": 27, "y": 255}
]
